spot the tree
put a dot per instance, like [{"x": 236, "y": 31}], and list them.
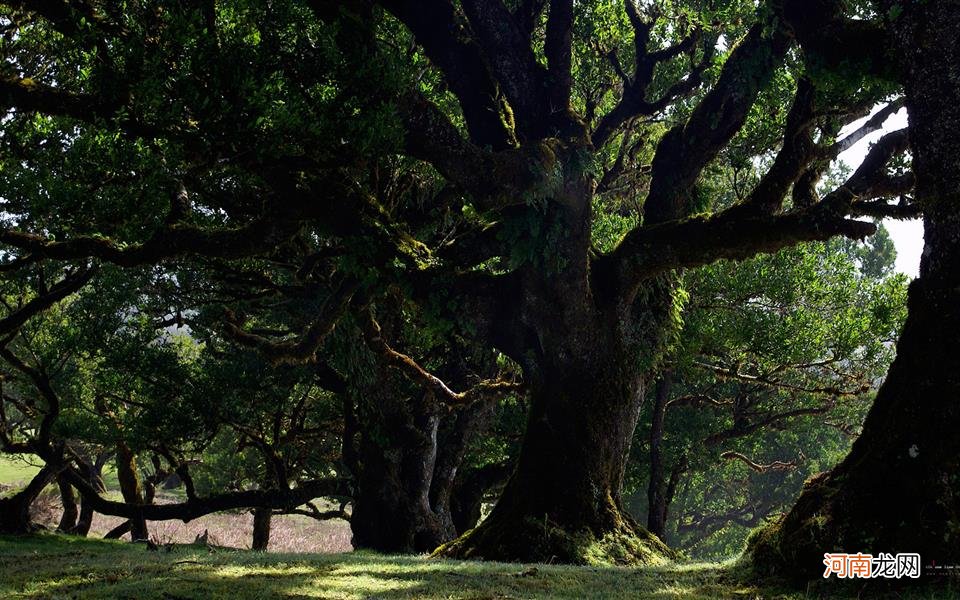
[
  {"x": 253, "y": 129},
  {"x": 29, "y": 403},
  {"x": 770, "y": 379},
  {"x": 897, "y": 489}
]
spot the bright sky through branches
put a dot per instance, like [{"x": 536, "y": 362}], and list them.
[{"x": 906, "y": 235}]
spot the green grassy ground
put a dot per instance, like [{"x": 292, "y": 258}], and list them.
[
  {"x": 17, "y": 470},
  {"x": 14, "y": 470},
  {"x": 52, "y": 566}
]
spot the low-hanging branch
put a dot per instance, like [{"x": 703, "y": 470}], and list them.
[
  {"x": 167, "y": 242},
  {"x": 60, "y": 290},
  {"x": 200, "y": 506}
]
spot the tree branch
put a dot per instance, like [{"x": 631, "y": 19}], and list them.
[
  {"x": 686, "y": 149},
  {"x": 398, "y": 360},
  {"x": 558, "y": 49},
  {"x": 63, "y": 288},
  {"x": 633, "y": 102},
  {"x": 732, "y": 234},
  {"x": 774, "y": 466},
  {"x": 198, "y": 507},
  {"x": 511, "y": 59},
  {"x": 493, "y": 179},
  {"x": 303, "y": 348},
  {"x": 435, "y": 25}
]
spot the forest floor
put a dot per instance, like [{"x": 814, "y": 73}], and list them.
[
  {"x": 310, "y": 559},
  {"x": 56, "y": 566}
]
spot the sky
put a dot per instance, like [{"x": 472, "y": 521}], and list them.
[{"x": 907, "y": 235}]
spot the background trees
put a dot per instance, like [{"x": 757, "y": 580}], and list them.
[{"x": 767, "y": 386}]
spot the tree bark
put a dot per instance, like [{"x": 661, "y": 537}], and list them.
[
  {"x": 129, "y": 479},
  {"x": 410, "y": 451},
  {"x": 91, "y": 470},
  {"x": 587, "y": 361},
  {"x": 899, "y": 488},
  {"x": 392, "y": 510},
  {"x": 563, "y": 502},
  {"x": 657, "y": 489},
  {"x": 472, "y": 486},
  {"x": 71, "y": 512},
  {"x": 262, "y": 518}
]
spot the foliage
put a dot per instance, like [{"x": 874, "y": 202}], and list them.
[{"x": 776, "y": 363}]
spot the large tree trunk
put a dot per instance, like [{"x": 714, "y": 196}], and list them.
[
  {"x": 587, "y": 362},
  {"x": 563, "y": 503},
  {"x": 15, "y": 509},
  {"x": 899, "y": 488},
  {"x": 410, "y": 451}
]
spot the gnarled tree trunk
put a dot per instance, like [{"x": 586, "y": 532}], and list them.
[
  {"x": 15, "y": 509},
  {"x": 899, "y": 488},
  {"x": 409, "y": 459},
  {"x": 410, "y": 450},
  {"x": 92, "y": 470},
  {"x": 392, "y": 511},
  {"x": 563, "y": 501},
  {"x": 587, "y": 371}
]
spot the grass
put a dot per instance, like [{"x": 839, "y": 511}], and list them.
[
  {"x": 15, "y": 470},
  {"x": 53, "y": 566}
]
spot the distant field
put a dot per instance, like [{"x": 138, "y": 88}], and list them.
[{"x": 15, "y": 470}]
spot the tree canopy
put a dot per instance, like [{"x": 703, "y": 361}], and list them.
[{"x": 411, "y": 257}]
